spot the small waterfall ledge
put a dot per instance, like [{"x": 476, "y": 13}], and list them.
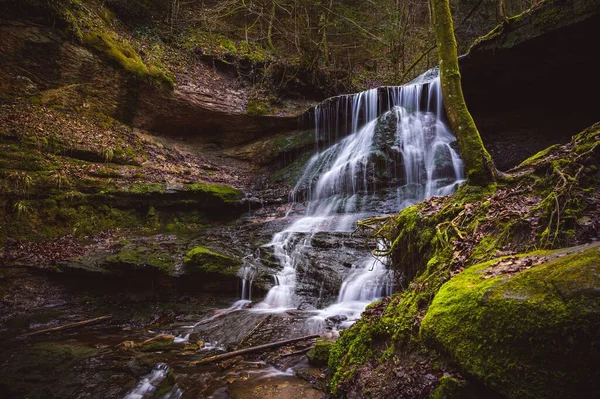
[{"x": 387, "y": 149}]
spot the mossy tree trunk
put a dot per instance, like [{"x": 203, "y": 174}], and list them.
[{"x": 478, "y": 162}]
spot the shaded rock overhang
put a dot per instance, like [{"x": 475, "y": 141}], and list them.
[{"x": 531, "y": 83}]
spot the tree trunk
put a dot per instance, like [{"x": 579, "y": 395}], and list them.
[{"x": 478, "y": 162}]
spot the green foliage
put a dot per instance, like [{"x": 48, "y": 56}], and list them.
[
  {"x": 21, "y": 181},
  {"x": 108, "y": 153},
  {"x": 257, "y": 107},
  {"x": 60, "y": 178},
  {"x": 22, "y": 208}
]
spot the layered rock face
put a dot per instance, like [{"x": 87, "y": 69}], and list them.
[{"x": 38, "y": 61}]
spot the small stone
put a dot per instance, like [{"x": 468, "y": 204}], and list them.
[
  {"x": 192, "y": 347},
  {"x": 126, "y": 345},
  {"x": 337, "y": 319},
  {"x": 200, "y": 343},
  {"x": 159, "y": 343}
]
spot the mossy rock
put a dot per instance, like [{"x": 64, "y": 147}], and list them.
[
  {"x": 133, "y": 257},
  {"x": 448, "y": 388},
  {"x": 319, "y": 354},
  {"x": 531, "y": 334},
  {"x": 161, "y": 342},
  {"x": 222, "y": 192},
  {"x": 120, "y": 52},
  {"x": 201, "y": 259}
]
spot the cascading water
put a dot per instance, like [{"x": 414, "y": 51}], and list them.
[{"x": 396, "y": 151}]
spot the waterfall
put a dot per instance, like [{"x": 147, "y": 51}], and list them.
[
  {"x": 149, "y": 385},
  {"x": 388, "y": 148}
]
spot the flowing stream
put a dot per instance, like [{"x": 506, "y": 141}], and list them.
[{"x": 389, "y": 148}]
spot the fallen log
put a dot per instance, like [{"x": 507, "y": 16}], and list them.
[
  {"x": 68, "y": 326},
  {"x": 246, "y": 351}
]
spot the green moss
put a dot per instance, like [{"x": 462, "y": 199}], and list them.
[
  {"x": 525, "y": 336},
  {"x": 166, "y": 385},
  {"x": 121, "y": 53},
  {"x": 222, "y": 192},
  {"x": 13, "y": 156},
  {"x": 294, "y": 141},
  {"x": 319, "y": 354},
  {"x": 157, "y": 344},
  {"x": 422, "y": 254},
  {"x": 204, "y": 260},
  {"x": 138, "y": 257},
  {"x": 224, "y": 48},
  {"x": 254, "y": 52},
  {"x": 290, "y": 173},
  {"x": 540, "y": 155},
  {"x": 147, "y": 188},
  {"x": 448, "y": 388}
]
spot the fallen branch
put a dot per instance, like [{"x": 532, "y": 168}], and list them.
[
  {"x": 68, "y": 326},
  {"x": 246, "y": 351}
]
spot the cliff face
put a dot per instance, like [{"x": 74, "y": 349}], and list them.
[{"x": 38, "y": 61}]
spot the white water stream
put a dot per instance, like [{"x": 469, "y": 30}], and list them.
[{"x": 337, "y": 184}]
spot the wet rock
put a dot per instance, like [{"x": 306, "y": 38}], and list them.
[
  {"x": 126, "y": 346},
  {"x": 230, "y": 362},
  {"x": 335, "y": 320},
  {"x": 46, "y": 370},
  {"x": 306, "y": 306},
  {"x": 161, "y": 342},
  {"x": 313, "y": 375},
  {"x": 190, "y": 348}
]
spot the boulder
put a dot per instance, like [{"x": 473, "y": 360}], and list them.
[{"x": 525, "y": 331}]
